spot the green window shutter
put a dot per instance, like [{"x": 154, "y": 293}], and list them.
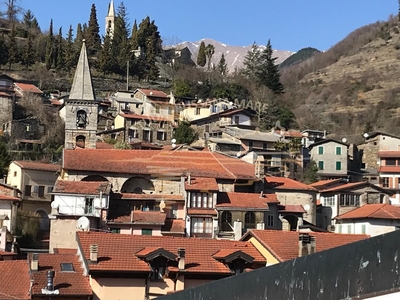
[
  {"x": 147, "y": 231},
  {"x": 320, "y": 150},
  {"x": 363, "y": 228},
  {"x": 116, "y": 230},
  {"x": 338, "y": 150},
  {"x": 338, "y": 165},
  {"x": 321, "y": 165}
]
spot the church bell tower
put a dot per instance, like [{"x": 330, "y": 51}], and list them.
[{"x": 110, "y": 18}]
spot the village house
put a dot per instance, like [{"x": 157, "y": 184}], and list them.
[
  {"x": 371, "y": 219},
  {"x": 27, "y": 90},
  {"x": 10, "y": 198},
  {"x": 36, "y": 181},
  {"x": 389, "y": 173},
  {"x": 159, "y": 265},
  {"x": 179, "y": 55},
  {"x": 7, "y": 99},
  {"x": 199, "y": 109},
  {"x": 279, "y": 246}
]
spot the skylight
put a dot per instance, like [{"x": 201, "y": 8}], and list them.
[{"x": 67, "y": 267}]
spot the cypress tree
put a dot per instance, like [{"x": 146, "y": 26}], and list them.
[
  {"x": 5, "y": 158},
  {"x": 201, "y": 56},
  {"x": 92, "y": 36},
  {"x": 69, "y": 52},
  {"x": 50, "y": 48},
  {"x": 268, "y": 71},
  {"x": 105, "y": 55},
  {"x": 3, "y": 51},
  {"x": 59, "y": 59},
  {"x": 28, "y": 56},
  {"x": 222, "y": 66},
  {"x": 134, "y": 36}
]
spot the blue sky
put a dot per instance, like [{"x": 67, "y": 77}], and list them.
[{"x": 291, "y": 24}]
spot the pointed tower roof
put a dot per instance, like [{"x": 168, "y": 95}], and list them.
[
  {"x": 111, "y": 10},
  {"x": 82, "y": 86}
]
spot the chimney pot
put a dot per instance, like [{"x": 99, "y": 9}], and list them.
[
  {"x": 50, "y": 280},
  {"x": 181, "y": 258},
  {"x": 35, "y": 262},
  {"x": 94, "y": 249}
]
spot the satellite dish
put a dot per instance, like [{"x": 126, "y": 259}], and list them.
[
  {"x": 238, "y": 154},
  {"x": 173, "y": 141},
  {"x": 305, "y": 134},
  {"x": 54, "y": 205},
  {"x": 173, "y": 145},
  {"x": 83, "y": 223},
  {"x": 344, "y": 140},
  {"x": 306, "y": 207},
  {"x": 366, "y": 135}
]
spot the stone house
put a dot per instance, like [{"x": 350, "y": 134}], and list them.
[
  {"x": 389, "y": 173},
  {"x": 27, "y": 90},
  {"x": 7, "y": 98},
  {"x": 371, "y": 219},
  {"x": 178, "y": 55},
  {"x": 159, "y": 265},
  {"x": 10, "y": 198}
]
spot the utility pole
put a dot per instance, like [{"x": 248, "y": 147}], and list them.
[{"x": 127, "y": 74}]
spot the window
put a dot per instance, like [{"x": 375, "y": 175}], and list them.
[
  {"x": 67, "y": 267},
  {"x": 158, "y": 266},
  {"x": 320, "y": 150},
  {"x": 270, "y": 220},
  {"x": 329, "y": 201},
  {"x": 28, "y": 191},
  {"x": 390, "y": 162},
  {"x": 173, "y": 213},
  {"x": 169, "y": 110},
  {"x": 265, "y": 146},
  {"x": 41, "y": 191},
  {"x": 115, "y": 230},
  {"x": 250, "y": 146},
  {"x": 363, "y": 229},
  {"x": 89, "y": 205},
  {"x": 147, "y": 136},
  {"x": 81, "y": 118},
  {"x": 197, "y": 111},
  {"x": 157, "y": 109},
  {"x": 250, "y": 220},
  {"x": 133, "y": 133},
  {"x": 338, "y": 150},
  {"x": 320, "y": 165},
  {"x": 49, "y": 189},
  {"x": 207, "y": 128},
  {"x": 338, "y": 166},
  {"x": 161, "y": 135},
  {"x": 348, "y": 228},
  {"x": 236, "y": 119},
  {"x": 15, "y": 173},
  {"x": 385, "y": 182},
  {"x": 147, "y": 231},
  {"x": 349, "y": 200},
  {"x": 202, "y": 225},
  {"x": 226, "y": 221},
  {"x": 203, "y": 200},
  {"x": 36, "y": 189}
]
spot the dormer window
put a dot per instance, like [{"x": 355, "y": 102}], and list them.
[
  {"x": 157, "y": 258},
  {"x": 236, "y": 260},
  {"x": 81, "y": 119}
]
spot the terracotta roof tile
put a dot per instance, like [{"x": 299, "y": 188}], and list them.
[
  {"x": 345, "y": 186},
  {"x": 139, "y": 217},
  {"x": 102, "y": 145},
  {"x": 56, "y": 102},
  {"x": 388, "y": 154},
  {"x": 389, "y": 169},
  {"x": 323, "y": 183},
  {"x": 82, "y": 187},
  {"x": 202, "y": 211},
  {"x": 153, "y": 93},
  {"x": 34, "y": 165},
  {"x": 143, "y": 117},
  {"x": 283, "y": 183},
  {"x": 28, "y": 87},
  {"x": 291, "y": 209},
  {"x": 203, "y": 184},
  {"x": 148, "y": 196},
  {"x": 373, "y": 211},
  {"x": 158, "y": 162},
  {"x": 14, "y": 280},
  {"x": 9, "y": 198},
  {"x": 284, "y": 245},
  {"x": 174, "y": 226},
  {"x": 68, "y": 283},
  {"x": 245, "y": 200},
  {"x": 120, "y": 251}
]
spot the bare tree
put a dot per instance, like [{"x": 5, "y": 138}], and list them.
[{"x": 13, "y": 9}]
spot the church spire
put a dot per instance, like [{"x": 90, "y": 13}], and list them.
[
  {"x": 82, "y": 86},
  {"x": 111, "y": 10}
]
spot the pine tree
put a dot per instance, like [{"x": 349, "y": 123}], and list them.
[
  {"x": 3, "y": 51},
  {"x": 28, "y": 56},
  {"x": 59, "y": 59},
  {"x": 49, "y": 59},
  {"x": 121, "y": 47},
  {"x": 134, "y": 37},
  {"x": 13, "y": 49},
  {"x": 78, "y": 43},
  {"x": 201, "y": 56},
  {"x": 69, "y": 52},
  {"x": 222, "y": 66},
  {"x": 5, "y": 158},
  {"x": 268, "y": 71},
  {"x": 105, "y": 55},
  {"x": 251, "y": 62},
  {"x": 210, "y": 50},
  {"x": 92, "y": 36}
]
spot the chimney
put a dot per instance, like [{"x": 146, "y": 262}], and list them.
[
  {"x": 189, "y": 179},
  {"x": 50, "y": 280},
  {"x": 94, "y": 249},
  {"x": 307, "y": 244},
  {"x": 181, "y": 258},
  {"x": 35, "y": 262},
  {"x": 237, "y": 229},
  {"x": 3, "y": 238}
]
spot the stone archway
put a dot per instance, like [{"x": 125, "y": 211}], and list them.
[{"x": 137, "y": 185}]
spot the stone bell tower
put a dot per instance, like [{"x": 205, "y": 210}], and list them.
[
  {"x": 110, "y": 18},
  {"x": 81, "y": 109}
]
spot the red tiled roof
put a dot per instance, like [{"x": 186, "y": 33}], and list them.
[
  {"x": 153, "y": 93},
  {"x": 5, "y": 253},
  {"x": 323, "y": 183},
  {"x": 245, "y": 200},
  {"x": 3, "y": 94},
  {"x": 68, "y": 283},
  {"x": 292, "y": 209},
  {"x": 174, "y": 226},
  {"x": 389, "y": 154},
  {"x": 64, "y": 251},
  {"x": 8, "y": 198},
  {"x": 40, "y": 166},
  {"x": 14, "y": 280},
  {"x": 103, "y": 145},
  {"x": 373, "y": 211},
  {"x": 203, "y": 184},
  {"x": 28, "y": 87},
  {"x": 158, "y": 162},
  {"x": 283, "y": 183},
  {"x": 148, "y": 196},
  {"x": 140, "y": 217},
  {"x": 345, "y": 186},
  {"x": 284, "y": 245},
  {"x": 389, "y": 169},
  {"x": 56, "y": 102},
  {"x": 82, "y": 187},
  {"x": 120, "y": 251},
  {"x": 202, "y": 211},
  {"x": 142, "y": 117}
]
